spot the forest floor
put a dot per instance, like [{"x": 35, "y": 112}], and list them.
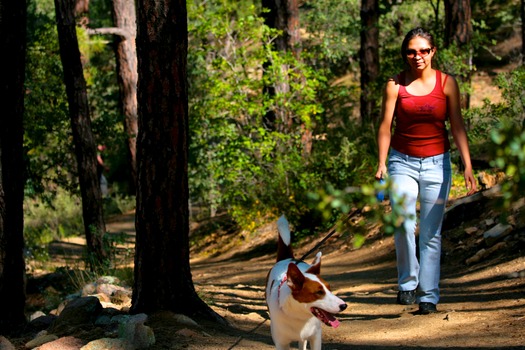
[{"x": 482, "y": 304}]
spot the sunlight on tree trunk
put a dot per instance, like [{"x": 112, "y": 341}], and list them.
[
  {"x": 85, "y": 147},
  {"x": 163, "y": 278},
  {"x": 125, "y": 18}
]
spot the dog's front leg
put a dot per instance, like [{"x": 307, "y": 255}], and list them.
[
  {"x": 315, "y": 342},
  {"x": 302, "y": 344},
  {"x": 282, "y": 346}
]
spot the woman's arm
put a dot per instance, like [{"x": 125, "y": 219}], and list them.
[
  {"x": 384, "y": 134},
  {"x": 459, "y": 133}
]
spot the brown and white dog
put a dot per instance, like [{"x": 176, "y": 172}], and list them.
[{"x": 298, "y": 298}]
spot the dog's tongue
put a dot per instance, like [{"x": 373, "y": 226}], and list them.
[{"x": 325, "y": 317}]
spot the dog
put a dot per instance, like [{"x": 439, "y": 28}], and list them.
[{"x": 298, "y": 299}]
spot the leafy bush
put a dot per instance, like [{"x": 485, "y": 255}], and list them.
[
  {"x": 45, "y": 221},
  {"x": 238, "y": 162},
  {"x": 508, "y": 138},
  {"x": 48, "y": 139}
]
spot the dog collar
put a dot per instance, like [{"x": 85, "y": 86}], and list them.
[{"x": 283, "y": 281}]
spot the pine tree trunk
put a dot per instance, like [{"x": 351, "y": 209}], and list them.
[
  {"x": 284, "y": 16},
  {"x": 13, "y": 18},
  {"x": 369, "y": 59},
  {"x": 85, "y": 147},
  {"x": 523, "y": 32},
  {"x": 125, "y": 19},
  {"x": 163, "y": 278},
  {"x": 458, "y": 30}
]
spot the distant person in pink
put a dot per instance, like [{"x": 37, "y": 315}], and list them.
[{"x": 101, "y": 167}]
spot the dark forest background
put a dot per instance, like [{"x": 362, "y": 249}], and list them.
[{"x": 241, "y": 108}]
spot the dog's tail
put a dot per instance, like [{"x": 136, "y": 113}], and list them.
[{"x": 284, "y": 247}]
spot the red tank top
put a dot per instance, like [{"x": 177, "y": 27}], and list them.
[{"x": 420, "y": 129}]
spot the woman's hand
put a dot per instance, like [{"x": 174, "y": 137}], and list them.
[
  {"x": 381, "y": 172},
  {"x": 470, "y": 182}
]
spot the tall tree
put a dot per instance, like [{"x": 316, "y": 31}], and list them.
[
  {"x": 523, "y": 32},
  {"x": 458, "y": 31},
  {"x": 369, "y": 59},
  {"x": 163, "y": 278},
  {"x": 13, "y": 16},
  {"x": 282, "y": 15},
  {"x": 85, "y": 147},
  {"x": 124, "y": 17}
]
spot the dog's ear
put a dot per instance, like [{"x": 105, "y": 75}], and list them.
[
  {"x": 295, "y": 278},
  {"x": 315, "y": 269}
]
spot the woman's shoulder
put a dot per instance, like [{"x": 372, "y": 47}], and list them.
[
  {"x": 445, "y": 77},
  {"x": 395, "y": 80},
  {"x": 392, "y": 85},
  {"x": 448, "y": 81}
]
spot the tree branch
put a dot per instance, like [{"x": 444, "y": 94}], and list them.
[{"x": 113, "y": 31}]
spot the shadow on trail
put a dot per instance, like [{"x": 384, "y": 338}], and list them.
[{"x": 331, "y": 346}]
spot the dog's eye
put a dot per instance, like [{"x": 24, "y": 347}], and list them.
[{"x": 320, "y": 292}]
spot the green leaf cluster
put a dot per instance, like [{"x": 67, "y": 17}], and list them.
[{"x": 508, "y": 137}]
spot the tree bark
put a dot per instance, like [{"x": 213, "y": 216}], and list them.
[
  {"x": 522, "y": 32},
  {"x": 458, "y": 30},
  {"x": 163, "y": 278},
  {"x": 369, "y": 59},
  {"x": 125, "y": 18},
  {"x": 284, "y": 16},
  {"x": 85, "y": 147},
  {"x": 13, "y": 17}
]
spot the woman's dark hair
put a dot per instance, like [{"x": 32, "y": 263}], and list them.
[{"x": 416, "y": 32}]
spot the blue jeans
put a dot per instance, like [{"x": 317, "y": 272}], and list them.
[{"x": 429, "y": 180}]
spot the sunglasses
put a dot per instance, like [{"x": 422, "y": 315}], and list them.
[{"x": 410, "y": 53}]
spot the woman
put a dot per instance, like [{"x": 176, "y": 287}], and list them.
[{"x": 420, "y": 99}]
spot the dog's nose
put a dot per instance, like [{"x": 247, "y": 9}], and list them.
[{"x": 342, "y": 307}]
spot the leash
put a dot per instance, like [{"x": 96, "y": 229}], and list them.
[
  {"x": 380, "y": 197},
  {"x": 330, "y": 234}
]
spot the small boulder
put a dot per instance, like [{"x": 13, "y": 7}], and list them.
[{"x": 81, "y": 311}]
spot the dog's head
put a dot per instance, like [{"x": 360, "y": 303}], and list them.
[{"x": 310, "y": 289}]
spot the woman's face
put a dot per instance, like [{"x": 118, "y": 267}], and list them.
[{"x": 419, "y": 53}]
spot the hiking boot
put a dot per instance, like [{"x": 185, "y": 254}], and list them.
[
  {"x": 427, "y": 308},
  {"x": 407, "y": 297}
]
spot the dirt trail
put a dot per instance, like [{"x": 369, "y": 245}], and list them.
[{"x": 482, "y": 306}]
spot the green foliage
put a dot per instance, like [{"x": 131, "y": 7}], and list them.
[
  {"x": 237, "y": 162},
  {"x": 46, "y": 220},
  {"x": 338, "y": 204},
  {"x": 333, "y": 28},
  {"x": 509, "y": 137},
  {"x": 48, "y": 140},
  {"x": 496, "y": 18}
]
